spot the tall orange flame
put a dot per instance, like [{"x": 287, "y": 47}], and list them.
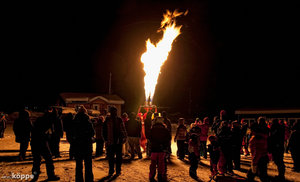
[{"x": 156, "y": 55}]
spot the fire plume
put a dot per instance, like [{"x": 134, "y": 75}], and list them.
[{"x": 157, "y": 54}]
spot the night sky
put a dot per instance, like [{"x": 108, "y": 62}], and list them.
[{"x": 230, "y": 54}]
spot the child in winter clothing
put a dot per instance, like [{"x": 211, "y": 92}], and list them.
[
  {"x": 203, "y": 137},
  {"x": 180, "y": 138},
  {"x": 194, "y": 155},
  {"x": 214, "y": 153},
  {"x": 159, "y": 138}
]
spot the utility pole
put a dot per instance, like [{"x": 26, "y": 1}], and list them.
[{"x": 109, "y": 84}]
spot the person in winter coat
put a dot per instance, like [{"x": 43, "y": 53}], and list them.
[
  {"x": 214, "y": 153},
  {"x": 194, "y": 129},
  {"x": 180, "y": 138},
  {"x": 276, "y": 147},
  {"x": 99, "y": 138},
  {"x": 82, "y": 133},
  {"x": 194, "y": 155},
  {"x": 22, "y": 128},
  {"x": 67, "y": 125},
  {"x": 57, "y": 133},
  {"x": 167, "y": 122},
  {"x": 259, "y": 151},
  {"x": 147, "y": 127},
  {"x": 216, "y": 125},
  {"x": 134, "y": 129},
  {"x": 245, "y": 141},
  {"x": 293, "y": 146},
  {"x": 159, "y": 138},
  {"x": 224, "y": 138},
  {"x": 203, "y": 137},
  {"x": 114, "y": 135},
  {"x": 236, "y": 144},
  {"x": 40, "y": 146},
  {"x": 125, "y": 148}
]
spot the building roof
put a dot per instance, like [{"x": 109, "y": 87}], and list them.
[
  {"x": 268, "y": 111},
  {"x": 89, "y": 97}
]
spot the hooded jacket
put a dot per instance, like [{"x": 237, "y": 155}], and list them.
[
  {"x": 82, "y": 129},
  {"x": 159, "y": 138},
  {"x": 114, "y": 131},
  {"x": 133, "y": 128},
  {"x": 22, "y": 127}
]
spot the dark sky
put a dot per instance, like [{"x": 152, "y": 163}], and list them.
[{"x": 230, "y": 54}]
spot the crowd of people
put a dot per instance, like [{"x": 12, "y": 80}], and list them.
[
  {"x": 267, "y": 140},
  {"x": 225, "y": 140}
]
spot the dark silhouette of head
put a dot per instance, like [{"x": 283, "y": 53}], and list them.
[
  {"x": 104, "y": 112},
  {"x": 261, "y": 121},
  {"x": 124, "y": 115},
  {"x": 235, "y": 124},
  {"x": 275, "y": 122},
  {"x": 194, "y": 137},
  {"x": 82, "y": 110},
  {"x": 212, "y": 138},
  {"x": 181, "y": 121},
  {"x": 113, "y": 111},
  {"x": 164, "y": 114},
  {"x": 132, "y": 116},
  {"x": 149, "y": 115}
]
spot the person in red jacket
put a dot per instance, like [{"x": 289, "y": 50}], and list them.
[
  {"x": 203, "y": 137},
  {"x": 259, "y": 151}
]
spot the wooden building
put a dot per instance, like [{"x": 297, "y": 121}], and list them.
[{"x": 95, "y": 101}]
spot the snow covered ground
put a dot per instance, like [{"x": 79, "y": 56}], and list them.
[{"x": 136, "y": 170}]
